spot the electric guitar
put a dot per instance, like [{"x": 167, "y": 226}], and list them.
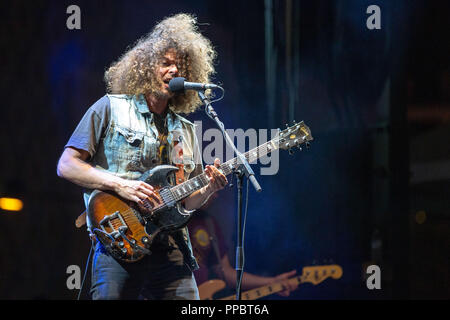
[
  {"x": 127, "y": 230},
  {"x": 313, "y": 274}
]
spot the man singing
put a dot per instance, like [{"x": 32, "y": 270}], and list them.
[{"x": 133, "y": 129}]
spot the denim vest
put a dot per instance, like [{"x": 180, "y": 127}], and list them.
[{"x": 130, "y": 144}]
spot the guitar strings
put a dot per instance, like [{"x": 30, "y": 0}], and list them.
[
  {"x": 193, "y": 184},
  {"x": 199, "y": 181}
]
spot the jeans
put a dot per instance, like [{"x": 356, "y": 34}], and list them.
[{"x": 163, "y": 275}]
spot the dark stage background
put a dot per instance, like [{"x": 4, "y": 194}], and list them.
[{"x": 372, "y": 189}]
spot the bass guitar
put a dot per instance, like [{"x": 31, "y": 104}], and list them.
[
  {"x": 313, "y": 274},
  {"x": 127, "y": 230}
]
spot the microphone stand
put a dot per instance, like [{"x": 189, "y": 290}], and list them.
[{"x": 243, "y": 169}]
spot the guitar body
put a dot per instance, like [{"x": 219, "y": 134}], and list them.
[
  {"x": 209, "y": 288},
  {"x": 126, "y": 230}
]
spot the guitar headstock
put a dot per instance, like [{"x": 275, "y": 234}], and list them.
[
  {"x": 294, "y": 136},
  {"x": 317, "y": 274}
]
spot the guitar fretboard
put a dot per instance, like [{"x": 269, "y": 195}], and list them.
[
  {"x": 186, "y": 188},
  {"x": 266, "y": 290},
  {"x": 313, "y": 275}
]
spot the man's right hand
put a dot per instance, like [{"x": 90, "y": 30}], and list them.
[
  {"x": 137, "y": 191},
  {"x": 73, "y": 167}
]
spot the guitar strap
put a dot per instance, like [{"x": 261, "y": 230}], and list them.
[
  {"x": 178, "y": 161},
  {"x": 81, "y": 220}
]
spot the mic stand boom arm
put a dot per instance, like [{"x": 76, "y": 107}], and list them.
[{"x": 243, "y": 169}]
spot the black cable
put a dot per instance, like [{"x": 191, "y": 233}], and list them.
[
  {"x": 223, "y": 94},
  {"x": 245, "y": 216},
  {"x": 85, "y": 269},
  {"x": 238, "y": 287}
]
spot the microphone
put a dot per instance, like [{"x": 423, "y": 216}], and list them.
[{"x": 178, "y": 84}]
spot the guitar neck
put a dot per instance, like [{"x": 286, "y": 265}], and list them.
[
  {"x": 265, "y": 290},
  {"x": 186, "y": 188}
]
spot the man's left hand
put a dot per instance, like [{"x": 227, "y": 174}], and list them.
[{"x": 217, "y": 180}]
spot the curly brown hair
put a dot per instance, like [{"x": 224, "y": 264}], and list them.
[{"x": 135, "y": 72}]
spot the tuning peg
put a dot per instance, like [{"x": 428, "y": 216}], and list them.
[
  {"x": 307, "y": 144},
  {"x": 294, "y": 121},
  {"x": 300, "y": 148},
  {"x": 287, "y": 125},
  {"x": 291, "y": 151}
]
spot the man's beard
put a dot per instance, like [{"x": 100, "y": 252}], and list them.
[{"x": 163, "y": 94}]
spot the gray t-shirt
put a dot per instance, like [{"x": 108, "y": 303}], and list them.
[{"x": 92, "y": 127}]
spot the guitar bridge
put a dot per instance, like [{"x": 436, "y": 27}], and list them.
[{"x": 115, "y": 233}]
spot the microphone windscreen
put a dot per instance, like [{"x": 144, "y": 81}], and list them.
[{"x": 176, "y": 84}]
